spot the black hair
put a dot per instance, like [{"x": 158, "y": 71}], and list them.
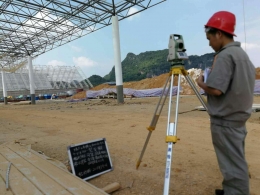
[{"x": 213, "y": 31}]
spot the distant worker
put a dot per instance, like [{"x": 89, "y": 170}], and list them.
[
  {"x": 53, "y": 96},
  {"x": 229, "y": 88}
]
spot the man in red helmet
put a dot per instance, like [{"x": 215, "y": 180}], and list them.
[{"x": 229, "y": 89}]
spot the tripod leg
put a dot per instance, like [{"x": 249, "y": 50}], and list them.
[
  {"x": 177, "y": 103},
  {"x": 155, "y": 118},
  {"x": 171, "y": 139},
  {"x": 193, "y": 86}
]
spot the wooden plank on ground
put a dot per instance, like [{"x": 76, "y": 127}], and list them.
[
  {"x": 51, "y": 160},
  {"x": 42, "y": 181},
  {"x": 70, "y": 182},
  {"x": 18, "y": 183}
]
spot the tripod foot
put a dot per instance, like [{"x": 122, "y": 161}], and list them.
[{"x": 138, "y": 164}]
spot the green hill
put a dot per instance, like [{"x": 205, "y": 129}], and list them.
[
  {"x": 96, "y": 80},
  {"x": 149, "y": 64}
]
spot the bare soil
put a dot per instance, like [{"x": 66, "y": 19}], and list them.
[
  {"x": 149, "y": 83},
  {"x": 51, "y": 126},
  {"x": 257, "y": 76}
]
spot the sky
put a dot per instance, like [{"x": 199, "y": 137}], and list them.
[{"x": 149, "y": 31}]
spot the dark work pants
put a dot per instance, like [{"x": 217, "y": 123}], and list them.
[{"x": 229, "y": 145}]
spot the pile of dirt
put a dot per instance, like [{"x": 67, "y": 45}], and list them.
[
  {"x": 156, "y": 82},
  {"x": 79, "y": 95},
  {"x": 257, "y": 76},
  {"x": 194, "y": 75},
  {"x": 148, "y": 83},
  {"x": 102, "y": 86}
]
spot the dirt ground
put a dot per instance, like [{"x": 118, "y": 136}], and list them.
[{"x": 51, "y": 126}]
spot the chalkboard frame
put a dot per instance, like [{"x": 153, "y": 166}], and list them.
[{"x": 85, "y": 143}]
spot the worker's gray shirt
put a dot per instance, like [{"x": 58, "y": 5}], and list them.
[{"x": 234, "y": 74}]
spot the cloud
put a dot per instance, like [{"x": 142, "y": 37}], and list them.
[
  {"x": 56, "y": 63},
  {"x": 253, "y": 50},
  {"x": 131, "y": 11},
  {"x": 250, "y": 22},
  {"x": 45, "y": 18},
  {"x": 84, "y": 62},
  {"x": 250, "y": 46},
  {"x": 75, "y": 48}
]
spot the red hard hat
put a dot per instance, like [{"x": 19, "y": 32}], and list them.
[{"x": 223, "y": 20}]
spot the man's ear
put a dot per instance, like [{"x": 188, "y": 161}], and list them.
[{"x": 218, "y": 34}]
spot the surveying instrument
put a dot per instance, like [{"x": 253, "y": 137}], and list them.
[{"x": 176, "y": 57}]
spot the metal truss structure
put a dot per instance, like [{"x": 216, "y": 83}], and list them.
[
  {"x": 46, "y": 77},
  {"x": 33, "y": 27}
]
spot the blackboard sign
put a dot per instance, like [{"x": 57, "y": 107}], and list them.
[{"x": 90, "y": 159}]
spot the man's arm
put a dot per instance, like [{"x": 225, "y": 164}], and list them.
[{"x": 208, "y": 90}]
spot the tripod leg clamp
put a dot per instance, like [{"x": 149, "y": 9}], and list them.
[
  {"x": 150, "y": 128},
  {"x": 171, "y": 138},
  {"x": 153, "y": 123}
]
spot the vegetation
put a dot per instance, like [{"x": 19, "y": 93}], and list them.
[
  {"x": 149, "y": 64},
  {"x": 96, "y": 80}
]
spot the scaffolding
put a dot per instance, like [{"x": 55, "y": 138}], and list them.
[
  {"x": 46, "y": 78},
  {"x": 32, "y": 27}
]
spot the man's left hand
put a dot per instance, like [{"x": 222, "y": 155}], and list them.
[{"x": 200, "y": 79}]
